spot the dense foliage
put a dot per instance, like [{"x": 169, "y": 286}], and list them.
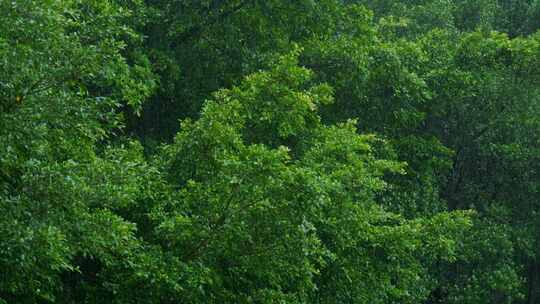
[{"x": 245, "y": 151}]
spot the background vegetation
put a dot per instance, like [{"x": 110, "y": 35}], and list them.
[{"x": 248, "y": 151}]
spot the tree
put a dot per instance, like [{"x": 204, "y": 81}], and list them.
[
  {"x": 329, "y": 151},
  {"x": 62, "y": 80},
  {"x": 273, "y": 206}
]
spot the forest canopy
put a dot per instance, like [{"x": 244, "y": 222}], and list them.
[{"x": 247, "y": 151}]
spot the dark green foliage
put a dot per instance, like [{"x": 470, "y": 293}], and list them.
[{"x": 269, "y": 151}]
